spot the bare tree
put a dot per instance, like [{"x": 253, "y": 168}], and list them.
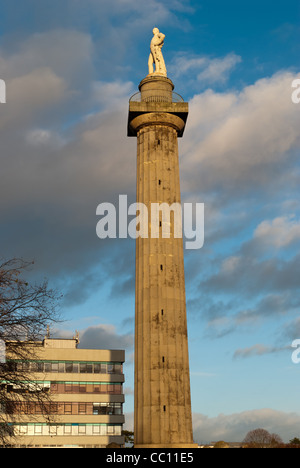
[
  {"x": 25, "y": 312},
  {"x": 260, "y": 438},
  {"x": 275, "y": 440}
]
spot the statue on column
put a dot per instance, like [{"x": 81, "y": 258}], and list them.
[{"x": 156, "y": 56}]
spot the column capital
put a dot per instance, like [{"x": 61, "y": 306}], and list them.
[{"x": 157, "y": 118}]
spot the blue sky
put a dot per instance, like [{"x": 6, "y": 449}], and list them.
[{"x": 70, "y": 68}]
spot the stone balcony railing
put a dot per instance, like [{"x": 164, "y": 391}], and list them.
[{"x": 156, "y": 97}]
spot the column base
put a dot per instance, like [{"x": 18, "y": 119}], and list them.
[{"x": 163, "y": 446}]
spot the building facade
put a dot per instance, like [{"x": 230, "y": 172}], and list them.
[{"x": 85, "y": 388}]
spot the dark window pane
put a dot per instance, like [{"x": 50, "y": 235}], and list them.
[
  {"x": 69, "y": 366},
  {"x": 81, "y": 408},
  {"x": 82, "y": 388}
]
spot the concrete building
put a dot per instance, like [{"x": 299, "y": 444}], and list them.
[
  {"x": 162, "y": 408},
  {"x": 86, "y": 396}
]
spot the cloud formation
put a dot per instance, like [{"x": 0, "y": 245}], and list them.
[
  {"x": 239, "y": 143},
  {"x": 258, "y": 350},
  {"x": 279, "y": 232},
  {"x": 104, "y": 337},
  {"x": 65, "y": 150},
  {"x": 234, "y": 427},
  {"x": 204, "y": 70}
]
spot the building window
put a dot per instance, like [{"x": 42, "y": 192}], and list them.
[
  {"x": 54, "y": 408},
  {"x": 68, "y": 408},
  {"x": 82, "y": 388},
  {"x": 78, "y": 387},
  {"x": 97, "y": 388},
  {"x": 52, "y": 430},
  {"x": 96, "y": 430},
  {"x": 68, "y": 387},
  {"x": 82, "y": 429},
  {"x": 110, "y": 430},
  {"x": 118, "y": 368},
  {"x": 98, "y": 409},
  {"x": 54, "y": 387},
  {"x": 22, "y": 430},
  {"x": 82, "y": 408},
  {"x": 69, "y": 367},
  {"x": 38, "y": 429},
  {"x": 67, "y": 429}
]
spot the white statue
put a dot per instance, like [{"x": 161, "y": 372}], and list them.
[{"x": 156, "y": 56}]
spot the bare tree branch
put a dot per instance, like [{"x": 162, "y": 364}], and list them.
[{"x": 25, "y": 312}]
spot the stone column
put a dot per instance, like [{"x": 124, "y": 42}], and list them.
[{"x": 162, "y": 382}]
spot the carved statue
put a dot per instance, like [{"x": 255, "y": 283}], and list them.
[{"x": 156, "y": 56}]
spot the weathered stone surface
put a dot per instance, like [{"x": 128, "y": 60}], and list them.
[{"x": 162, "y": 384}]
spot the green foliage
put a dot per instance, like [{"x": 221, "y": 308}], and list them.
[{"x": 295, "y": 441}]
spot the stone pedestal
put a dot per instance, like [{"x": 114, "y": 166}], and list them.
[{"x": 156, "y": 89}]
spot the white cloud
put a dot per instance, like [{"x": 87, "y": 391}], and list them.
[
  {"x": 203, "y": 69},
  {"x": 279, "y": 232},
  {"x": 40, "y": 137},
  {"x": 111, "y": 94},
  {"x": 64, "y": 150},
  {"x": 234, "y": 427},
  {"x": 230, "y": 264},
  {"x": 67, "y": 52},
  {"x": 237, "y": 142},
  {"x": 31, "y": 95},
  {"x": 104, "y": 337},
  {"x": 258, "y": 350},
  {"x": 217, "y": 70}
]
